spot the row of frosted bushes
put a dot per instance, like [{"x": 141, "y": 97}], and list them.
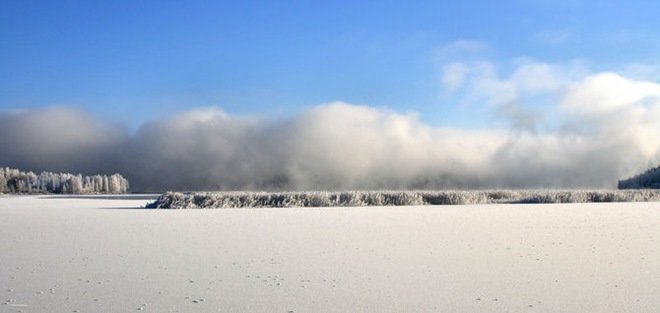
[{"x": 207, "y": 200}]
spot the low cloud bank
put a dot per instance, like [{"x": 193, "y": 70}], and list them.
[
  {"x": 608, "y": 129},
  {"x": 60, "y": 140}
]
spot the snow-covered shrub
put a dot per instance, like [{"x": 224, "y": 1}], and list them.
[{"x": 178, "y": 200}]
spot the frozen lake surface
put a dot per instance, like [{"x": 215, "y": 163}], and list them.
[{"x": 86, "y": 254}]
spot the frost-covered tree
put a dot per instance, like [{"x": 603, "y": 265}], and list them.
[
  {"x": 648, "y": 179},
  {"x": 15, "y": 181},
  {"x": 76, "y": 184},
  {"x": 116, "y": 183}
]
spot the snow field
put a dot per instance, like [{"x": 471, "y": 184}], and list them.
[{"x": 93, "y": 255}]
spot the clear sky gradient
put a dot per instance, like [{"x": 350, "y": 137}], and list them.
[{"x": 133, "y": 61}]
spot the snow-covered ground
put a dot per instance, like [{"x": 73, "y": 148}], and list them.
[{"x": 61, "y": 254}]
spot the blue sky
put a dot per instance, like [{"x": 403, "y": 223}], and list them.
[{"x": 134, "y": 61}]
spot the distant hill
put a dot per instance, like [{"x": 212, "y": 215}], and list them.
[
  {"x": 649, "y": 179},
  {"x": 15, "y": 181}
]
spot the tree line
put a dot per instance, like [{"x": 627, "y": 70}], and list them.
[
  {"x": 648, "y": 179},
  {"x": 15, "y": 181}
]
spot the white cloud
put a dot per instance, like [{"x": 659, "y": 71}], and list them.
[
  {"x": 535, "y": 77},
  {"x": 605, "y": 93},
  {"x": 523, "y": 96},
  {"x": 593, "y": 123},
  {"x": 453, "y": 76}
]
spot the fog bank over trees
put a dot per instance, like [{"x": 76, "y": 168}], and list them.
[
  {"x": 16, "y": 181},
  {"x": 602, "y": 128}
]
